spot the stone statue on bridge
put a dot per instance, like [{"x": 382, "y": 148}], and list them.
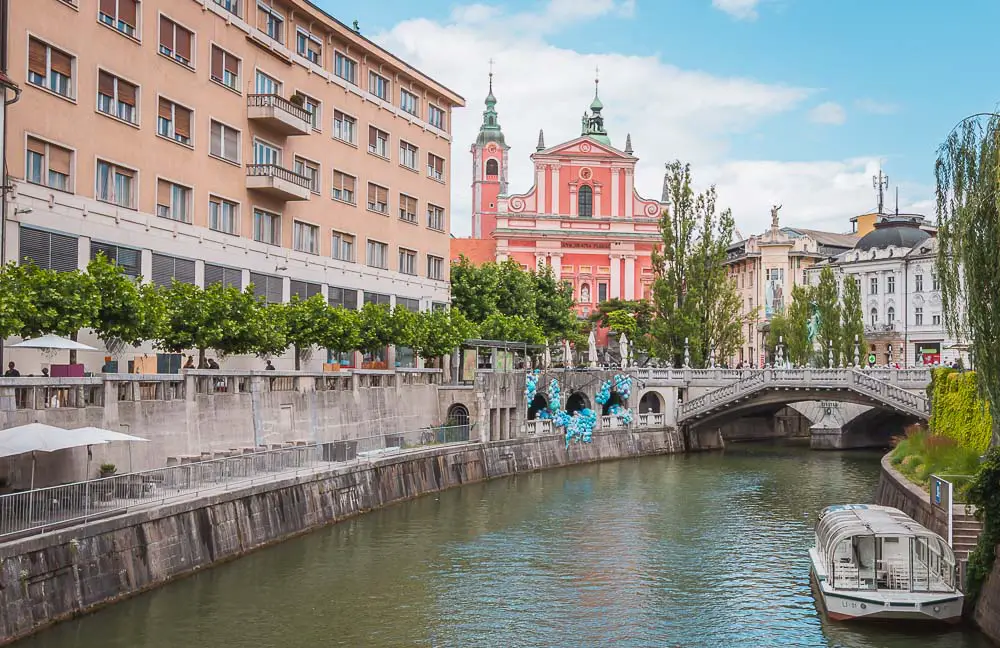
[{"x": 812, "y": 326}]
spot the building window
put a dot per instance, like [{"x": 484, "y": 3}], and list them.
[
  {"x": 223, "y": 215},
  {"x": 173, "y": 201},
  {"x": 378, "y": 255},
  {"x": 48, "y": 251},
  {"x": 265, "y": 153},
  {"x": 874, "y": 316},
  {"x": 175, "y": 41},
  {"x": 267, "y": 287},
  {"x": 312, "y": 107},
  {"x": 492, "y": 168},
  {"x": 890, "y": 284},
  {"x": 435, "y": 116},
  {"x": 408, "y": 155},
  {"x": 173, "y": 122},
  {"x": 271, "y": 22},
  {"x": 378, "y": 198},
  {"x": 378, "y": 299},
  {"x": 935, "y": 282},
  {"x": 343, "y": 247},
  {"x": 128, "y": 259},
  {"x": 409, "y": 102},
  {"x": 585, "y": 201},
  {"x": 228, "y": 277},
  {"x": 345, "y": 127},
  {"x": 379, "y": 86},
  {"x": 918, "y": 283},
  {"x": 303, "y": 289},
  {"x": 309, "y": 47},
  {"x": 407, "y": 261},
  {"x": 311, "y": 170},
  {"x": 890, "y": 316},
  {"x": 407, "y": 208},
  {"x": 873, "y": 285},
  {"x": 602, "y": 292},
  {"x": 435, "y": 217},
  {"x": 345, "y": 68},
  {"x": 266, "y": 85},
  {"x": 225, "y": 68},
  {"x": 435, "y": 268},
  {"x": 305, "y": 237},
  {"x": 115, "y": 184},
  {"x": 225, "y": 142},
  {"x": 266, "y": 227},
  {"x": 50, "y": 68},
  {"x": 117, "y": 97},
  {"x": 232, "y": 6},
  {"x": 378, "y": 142},
  {"x": 936, "y": 320},
  {"x": 435, "y": 167},
  {"x": 48, "y": 165},
  {"x": 918, "y": 316},
  {"x": 342, "y": 297},
  {"x": 344, "y": 187},
  {"x": 166, "y": 269},
  {"x": 120, "y": 14}
]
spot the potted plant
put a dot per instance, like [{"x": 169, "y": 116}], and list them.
[
  {"x": 298, "y": 99},
  {"x": 108, "y": 469}
]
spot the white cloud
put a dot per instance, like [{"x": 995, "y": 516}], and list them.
[
  {"x": 671, "y": 113},
  {"x": 828, "y": 113},
  {"x": 739, "y": 9},
  {"x": 876, "y": 107}
]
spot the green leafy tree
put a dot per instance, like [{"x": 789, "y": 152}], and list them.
[
  {"x": 14, "y": 302},
  {"x": 304, "y": 323},
  {"x": 789, "y": 329},
  {"x": 852, "y": 323},
  {"x": 60, "y": 302},
  {"x": 515, "y": 289},
  {"x": 828, "y": 304},
  {"x": 375, "y": 328},
  {"x": 342, "y": 330},
  {"x": 403, "y": 325},
  {"x": 474, "y": 289},
  {"x": 968, "y": 212},
  {"x": 511, "y": 328},
  {"x": 122, "y": 319},
  {"x": 439, "y": 332},
  {"x": 553, "y": 305},
  {"x": 266, "y": 333},
  {"x": 641, "y": 313}
]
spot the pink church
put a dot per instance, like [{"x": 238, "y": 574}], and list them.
[{"x": 583, "y": 216}]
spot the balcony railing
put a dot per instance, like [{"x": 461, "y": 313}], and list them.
[
  {"x": 279, "y": 172},
  {"x": 279, "y": 102}
]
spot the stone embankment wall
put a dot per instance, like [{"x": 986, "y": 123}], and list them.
[
  {"x": 48, "y": 578},
  {"x": 896, "y": 491},
  {"x": 987, "y": 612}
]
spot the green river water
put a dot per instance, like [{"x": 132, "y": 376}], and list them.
[{"x": 700, "y": 550}]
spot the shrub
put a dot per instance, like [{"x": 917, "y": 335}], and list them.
[{"x": 957, "y": 411}]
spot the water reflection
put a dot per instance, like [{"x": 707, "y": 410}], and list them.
[{"x": 705, "y": 550}]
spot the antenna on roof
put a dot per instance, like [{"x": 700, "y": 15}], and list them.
[
  {"x": 897, "y": 200},
  {"x": 881, "y": 183}
]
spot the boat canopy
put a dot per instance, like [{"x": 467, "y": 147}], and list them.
[{"x": 839, "y": 523}]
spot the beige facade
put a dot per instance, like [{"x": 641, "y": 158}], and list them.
[
  {"x": 766, "y": 267},
  {"x": 228, "y": 140}
]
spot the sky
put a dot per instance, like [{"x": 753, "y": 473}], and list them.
[{"x": 790, "y": 102}]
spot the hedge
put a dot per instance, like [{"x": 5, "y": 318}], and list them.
[{"x": 957, "y": 411}]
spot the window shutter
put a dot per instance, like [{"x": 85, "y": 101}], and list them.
[
  {"x": 105, "y": 84},
  {"x": 108, "y": 250},
  {"x": 109, "y": 7},
  {"x": 233, "y": 278},
  {"x": 126, "y": 92},
  {"x": 296, "y": 287},
  {"x": 216, "y": 139},
  {"x": 163, "y": 193},
  {"x": 36, "y": 57},
  {"x": 184, "y": 270},
  {"x": 232, "y": 64},
  {"x": 166, "y": 33},
  {"x": 163, "y": 269},
  {"x": 372, "y": 135},
  {"x": 62, "y": 63},
  {"x": 183, "y": 124},
  {"x": 64, "y": 253},
  {"x": 232, "y": 144},
  {"x": 34, "y": 247},
  {"x": 60, "y": 159},
  {"x": 259, "y": 282},
  {"x": 165, "y": 109},
  {"x": 218, "y": 63},
  {"x": 274, "y": 290},
  {"x": 127, "y": 10},
  {"x": 36, "y": 146},
  {"x": 214, "y": 274},
  {"x": 383, "y": 194},
  {"x": 183, "y": 37}
]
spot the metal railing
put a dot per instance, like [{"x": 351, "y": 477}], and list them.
[
  {"x": 42, "y": 509},
  {"x": 279, "y": 172},
  {"x": 279, "y": 102}
]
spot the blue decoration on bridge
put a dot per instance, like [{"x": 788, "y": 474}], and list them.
[
  {"x": 530, "y": 386},
  {"x": 554, "y": 403},
  {"x": 623, "y": 385},
  {"x": 624, "y": 413},
  {"x": 580, "y": 426},
  {"x": 603, "y": 393}
]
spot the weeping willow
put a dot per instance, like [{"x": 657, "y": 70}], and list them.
[{"x": 968, "y": 259}]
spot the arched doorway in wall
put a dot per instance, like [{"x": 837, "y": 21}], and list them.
[
  {"x": 615, "y": 399},
  {"x": 538, "y": 403},
  {"x": 577, "y": 401},
  {"x": 651, "y": 403},
  {"x": 458, "y": 422}
]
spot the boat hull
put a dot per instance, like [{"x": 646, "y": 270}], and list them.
[{"x": 852, "y": 606}]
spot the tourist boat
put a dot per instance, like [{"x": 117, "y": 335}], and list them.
[{"x": 875, "y": 562}]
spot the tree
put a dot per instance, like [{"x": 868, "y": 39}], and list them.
[
  {"x": 374, "y": 328},
  {"x": 342, "y": 331},
  {"x": 968, "y": 186},
  {"x": 60, "y": 302},
  {"x": 828, "y": 304},
  {"x": 553, "y": 305},
  {"x": 474, "y": 289},
  {"x": 14, "y": 303},
  {"x": 511, "y": 328},
  {"x": 641, "y": 313},
  {"x": 403, "y": 325},
  {"x": 304, "y": 324},
  {"x": 852, "y": 323},
  {"x": 515, "y": 291},
  {"x": 439, "y": 332},
  {"x": 128, "y": 312}
]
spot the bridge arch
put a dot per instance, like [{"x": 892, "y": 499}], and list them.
[
  {"x": 458, "y": 416},
  {"x": 537, "y": 404},
  {"x": 577, "y": 401},
  {"x": 615, "y": 399}
]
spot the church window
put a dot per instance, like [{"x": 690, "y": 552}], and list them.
[
  {"x": 586, "y": 201},
  {"x": 492, "y": 168}
]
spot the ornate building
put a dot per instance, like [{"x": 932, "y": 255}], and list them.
[{"x": 583, "y": 216}]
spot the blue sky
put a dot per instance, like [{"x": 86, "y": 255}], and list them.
[{"x": 788, "y": 101}]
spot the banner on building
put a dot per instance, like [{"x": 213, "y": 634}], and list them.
[{"x": 929, "y": 353}]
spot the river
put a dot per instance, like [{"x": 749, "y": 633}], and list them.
[{"x": 700, "y": 550}]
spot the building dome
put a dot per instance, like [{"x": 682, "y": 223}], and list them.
[{"x": 891, "y": 232}]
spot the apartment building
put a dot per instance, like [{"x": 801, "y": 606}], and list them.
[{"x": 237, "y": 141}]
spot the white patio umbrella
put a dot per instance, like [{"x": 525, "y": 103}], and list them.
[
  {"x": 547, "y": 358},
  {"x": 53, "y": 342},
  {"x": 39, "y": 437},
  {"x": 592, "y": 349},
  {"x": 623, "y": 349},
  {"x": 110, "y": 436},
  {"x": 567, "y": 354}
]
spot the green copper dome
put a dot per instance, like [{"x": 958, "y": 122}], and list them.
[
  {"x": 592, "y": 125},
  {"x": 490, "y": 130}
]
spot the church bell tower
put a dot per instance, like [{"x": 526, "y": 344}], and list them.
[{"x": 489, "y": 169}]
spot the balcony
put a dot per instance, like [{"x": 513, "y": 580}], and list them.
[
  {"x": 278, "y": 114},
  {"x": 277, "y": 182}
]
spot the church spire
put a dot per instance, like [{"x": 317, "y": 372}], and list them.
[
  {"x": 541, "y": 140},
  {"x": 628, "y": 144},
  {"x": 490, "y": 131},
  {"x": 593, "y": 122}
]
